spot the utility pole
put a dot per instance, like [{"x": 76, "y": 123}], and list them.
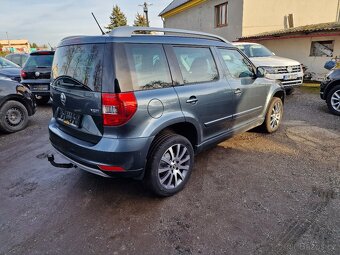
[
  {"x": 9, "y": 43},
  {"x": 146, "y": 12}
]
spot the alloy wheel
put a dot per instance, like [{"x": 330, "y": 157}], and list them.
[
  {"x": 174, "y": 166},
  {"x": 275, "y": 116},
  {"x": 335, "y": 100}
]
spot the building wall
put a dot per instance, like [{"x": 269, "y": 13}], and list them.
[
  {"x": 269, "y": 15},
  {"x": 299, "y": 49},
  {"x": 202, "y": 18},
  {"x": 15, "y": 45}
]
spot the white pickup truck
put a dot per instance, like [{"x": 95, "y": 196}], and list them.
[{"x": 288, "y": 71}]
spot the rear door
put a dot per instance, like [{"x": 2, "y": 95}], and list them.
[
  {"x": 204, "y": 96},
  {"x": 76, "y": 90}
]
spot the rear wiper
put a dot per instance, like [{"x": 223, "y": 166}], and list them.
[{"x": 68, "y": 81}]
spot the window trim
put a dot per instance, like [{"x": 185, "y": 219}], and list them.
[
  {"x": 174, "y": 60},
  {"x": 217, "y": 8},
  {"x": 226, "y": 67},
  {"x": 318, "y": 41}
]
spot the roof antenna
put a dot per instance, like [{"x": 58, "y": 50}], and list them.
[{"x": 98, "y": 24}]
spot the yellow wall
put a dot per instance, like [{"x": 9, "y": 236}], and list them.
[
  {"x": 268, "y": 15},
  {"x": 299, "y": 49}
]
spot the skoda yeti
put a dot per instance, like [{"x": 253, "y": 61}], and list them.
[{"x": 142, "y": 105}]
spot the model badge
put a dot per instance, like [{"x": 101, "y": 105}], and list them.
[
  {"x": 37, "y": 74},
  {"x": 289, "y": 69},
  {"x": 63, "y": 98}
]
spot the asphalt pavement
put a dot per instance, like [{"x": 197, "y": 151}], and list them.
[{"x": 252, "y": 194}]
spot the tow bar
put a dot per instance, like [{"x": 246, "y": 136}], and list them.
[{"x": 50, "y": 158}]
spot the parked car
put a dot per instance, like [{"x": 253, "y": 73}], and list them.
[
  {"x": 16, "y": 104},
  {"x": 17, "y": 58},
  {"x": 289, "y": 72},
  {"x": 143, "y": 105},
  {"x": 9, "y": 69},
  {"x": 36, "y": 74},
  {"x": 330, "y": 91}
]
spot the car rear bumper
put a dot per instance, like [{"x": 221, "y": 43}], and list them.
[
  {"x": 129, "y": 154},
  {"x": 39, "y": 87}
]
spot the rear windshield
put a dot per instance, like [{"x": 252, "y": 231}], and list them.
[
  {"x": 36, "y": 61},
  {"x": 82, "y": 63}
]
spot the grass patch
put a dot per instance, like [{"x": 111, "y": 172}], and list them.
[
  {"x": 311, "y": 89},
  {"x": 311, "y": 85}
]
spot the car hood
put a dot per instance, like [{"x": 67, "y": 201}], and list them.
[
  {"x": 273, "y": 61},
  {"x": 10, "y": 71}
]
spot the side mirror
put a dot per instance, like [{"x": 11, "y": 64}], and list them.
[{"x": 260, "y": 72}]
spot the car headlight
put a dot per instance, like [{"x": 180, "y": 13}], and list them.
[{"x": 270, "y": 70}]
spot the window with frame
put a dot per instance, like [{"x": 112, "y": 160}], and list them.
[
  {"x": 221, "y": 15},
  {"x": 196, "y": 64},
  {"x": 148, "y": 66},
  {"x": 237, "y": 64},
  {"x": 322, "y": 49}
]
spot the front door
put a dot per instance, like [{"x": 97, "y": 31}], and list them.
[{"x": 250, "y": 92}]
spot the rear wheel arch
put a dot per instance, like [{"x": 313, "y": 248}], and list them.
[{"x": 186, "y": 129}]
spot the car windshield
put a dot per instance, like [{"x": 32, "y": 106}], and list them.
[
  {"x": 255, "y": 50},
  {"x": 39, "y": 61},
  {"x": 6, "y": 63}
]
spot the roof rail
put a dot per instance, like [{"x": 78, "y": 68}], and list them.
[{"x": 127, "y": 31}]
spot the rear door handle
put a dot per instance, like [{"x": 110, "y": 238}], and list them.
[
  {"x": 192, "y": 100},
  {"x": 238, "y": 91}
]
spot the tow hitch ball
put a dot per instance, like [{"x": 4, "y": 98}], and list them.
[{"x": 50, "y": 158}]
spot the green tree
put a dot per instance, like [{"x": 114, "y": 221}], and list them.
[
  {"x": 140, "y": 21},
  {"x": 117, "y": 19},
  {"x": 34, "y": 45}
]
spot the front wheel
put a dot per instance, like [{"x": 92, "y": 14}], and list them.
[
  {"x": 170, "y": 164},
  {"x": 333, "y": 100},
  {"x": 273, "y": 116},
  {"x": 13, "y": 117}
]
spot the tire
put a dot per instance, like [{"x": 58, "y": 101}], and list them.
[
  {"x": 333, "y": 100},
  {"x": 165, "y": 175},
  {"x": 289, "y": 91},
  {"x": 273, "y": 116},
  {"x": 42, "y": 100},
  {"x": 13, "y": 117}
]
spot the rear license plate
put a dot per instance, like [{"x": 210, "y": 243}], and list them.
[
  {"x": 290, "y": 77},
  {"x": 39, "y": 88},
  {"x": 69, "y": 118}
]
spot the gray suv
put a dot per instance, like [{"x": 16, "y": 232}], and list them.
[{"x": 142, "y": 106}]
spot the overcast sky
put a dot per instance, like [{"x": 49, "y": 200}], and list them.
[{"x": 48, "y": 21}]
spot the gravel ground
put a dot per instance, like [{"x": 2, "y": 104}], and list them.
[{"x": 252, "y": 194}]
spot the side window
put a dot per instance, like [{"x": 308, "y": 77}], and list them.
[
  {"x": 16, "y": 59},
  {"x": 196, "y": 64},
  {"x": 148, "y": 65},
  {"x": 238, "y": 66}
]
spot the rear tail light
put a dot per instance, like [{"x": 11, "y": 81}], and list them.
[
  {"x": 118, "y": 108},
  {"x": 23, "y": 74}
]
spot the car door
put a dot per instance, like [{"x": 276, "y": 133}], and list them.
[
  {"x": 249, "y": 92},
  {"x": 203, "y": 94}
]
